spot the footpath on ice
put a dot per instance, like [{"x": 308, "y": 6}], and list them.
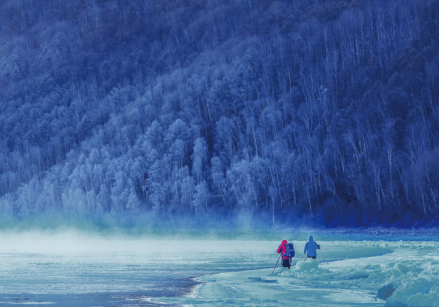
[{"x": 403, "y": 273}]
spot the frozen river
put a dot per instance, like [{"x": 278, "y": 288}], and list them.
[{"x": 71, "y": 269}]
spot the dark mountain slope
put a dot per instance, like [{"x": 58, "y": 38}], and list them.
[{"x": 209, "y": 109}]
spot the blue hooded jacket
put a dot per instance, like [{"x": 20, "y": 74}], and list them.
[{"x": 311, "y": 247}]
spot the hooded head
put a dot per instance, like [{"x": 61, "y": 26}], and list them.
[
  {"x": 311, "y": 239},
  {"x": 284, "y": 242}
]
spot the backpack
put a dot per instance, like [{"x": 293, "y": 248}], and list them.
[{"x": 289, "y": 250}]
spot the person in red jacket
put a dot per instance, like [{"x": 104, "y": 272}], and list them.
[{"x": 286, "y": 261}]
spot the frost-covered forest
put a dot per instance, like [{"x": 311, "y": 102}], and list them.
[{"x": 207, "y": 110}]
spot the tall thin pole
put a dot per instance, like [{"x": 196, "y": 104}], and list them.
[{"x": 276, "y": 263}]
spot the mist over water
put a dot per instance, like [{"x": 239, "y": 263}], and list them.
[
  {"x": 141, "y": 240},
  {"x": 76, "y": 242}
]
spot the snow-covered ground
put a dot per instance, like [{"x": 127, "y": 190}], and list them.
[
  {"x": 351, "y": 270},
  {"x": 406, "y": 275}
]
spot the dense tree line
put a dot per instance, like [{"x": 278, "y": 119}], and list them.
[{"x": 207, "y": 109}]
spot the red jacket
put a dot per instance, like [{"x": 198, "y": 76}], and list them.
[{"x": 282, "y": 249}]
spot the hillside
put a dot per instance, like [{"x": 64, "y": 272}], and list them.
[{"x": 320, "y": 112}]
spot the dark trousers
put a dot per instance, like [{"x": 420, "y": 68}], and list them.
[
  {"x": 313, "y": 257},
  {"x": 286, "y": 263}
]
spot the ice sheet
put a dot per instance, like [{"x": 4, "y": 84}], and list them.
[{"x": 88, "y": 271}]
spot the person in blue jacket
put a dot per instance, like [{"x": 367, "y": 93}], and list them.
[{"x": 311, "y": 248}]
